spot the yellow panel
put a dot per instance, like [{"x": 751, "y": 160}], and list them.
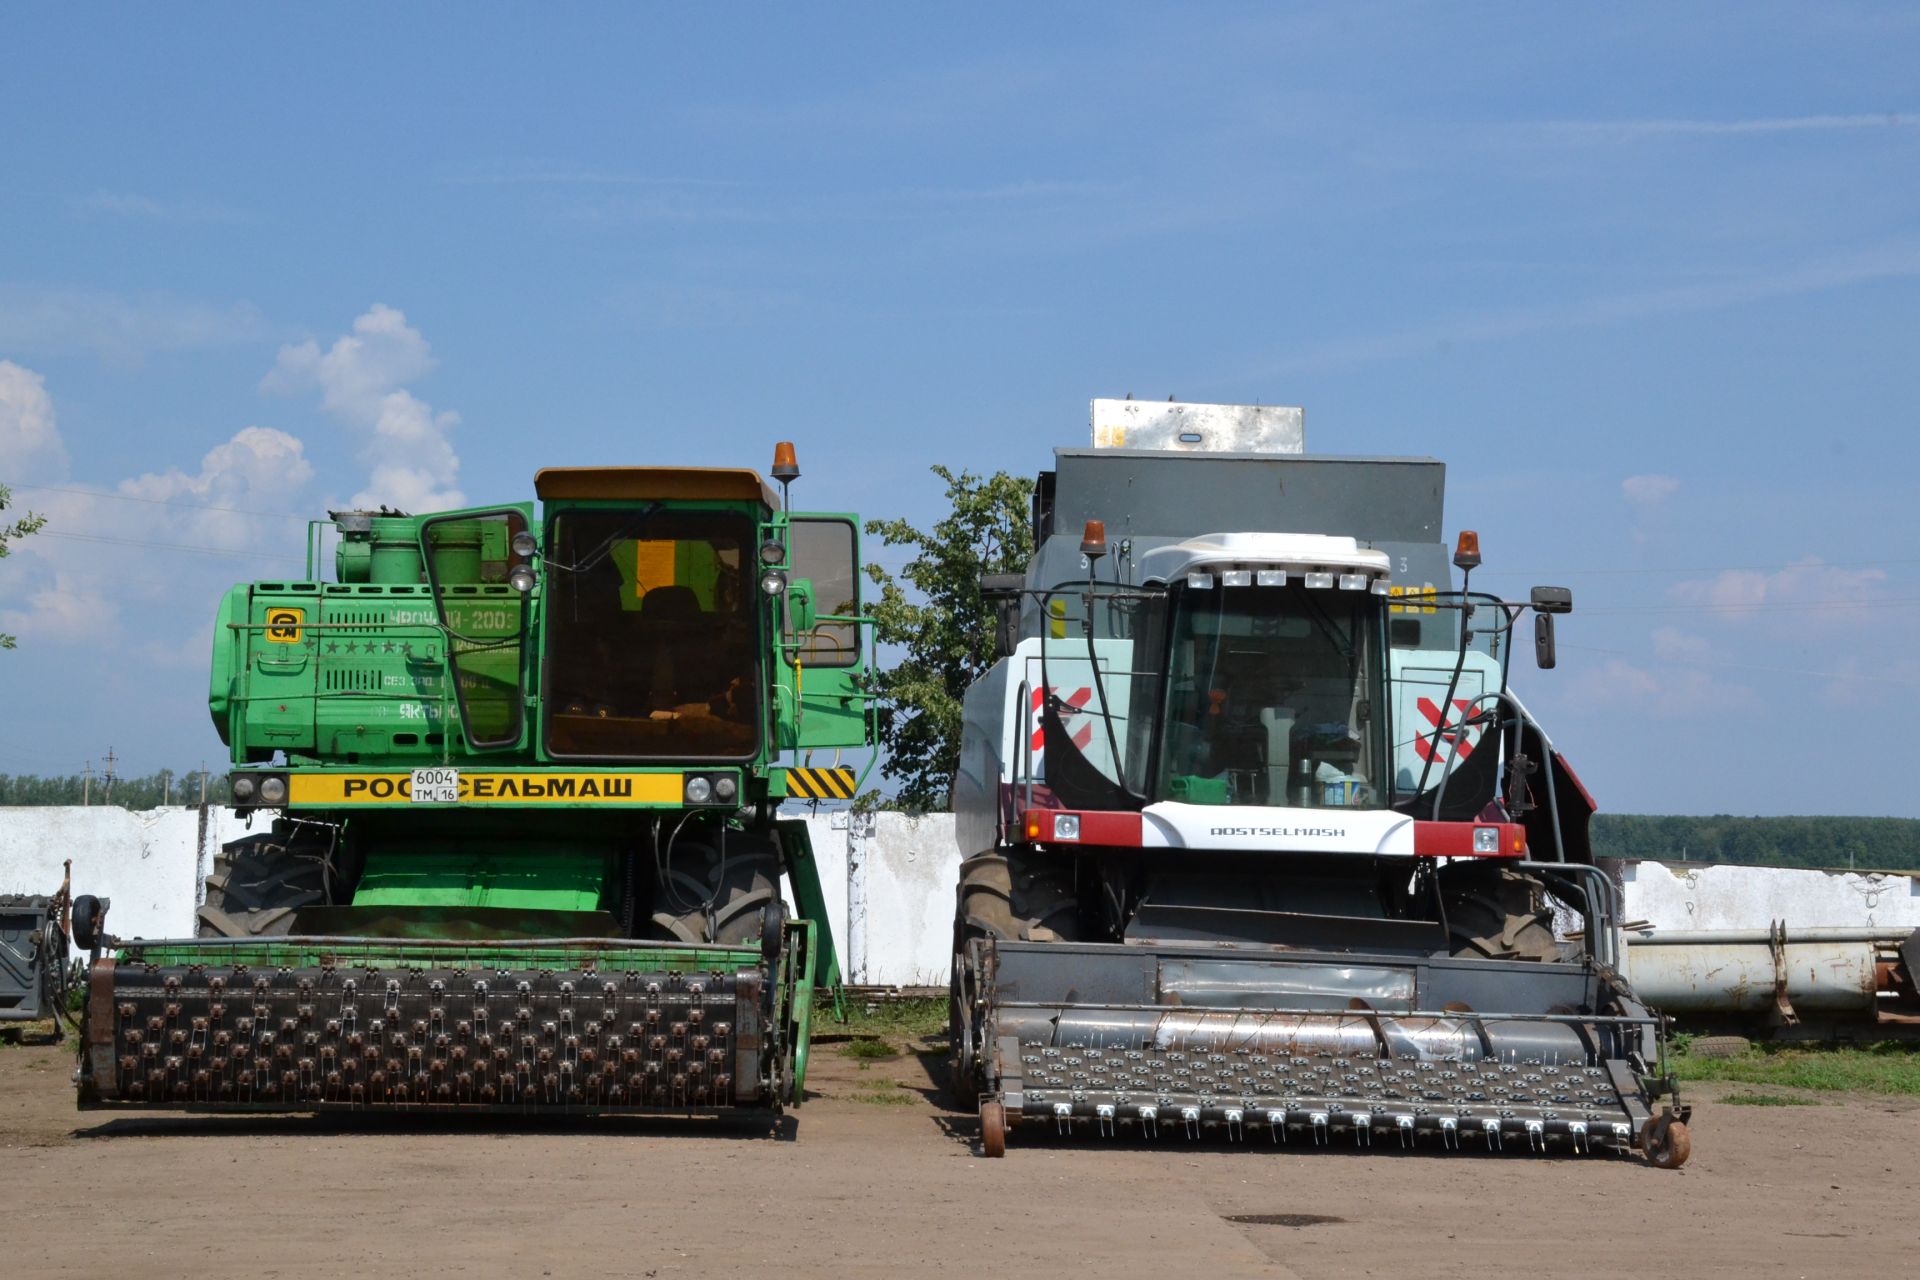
[{"x": 491, "y": 787}]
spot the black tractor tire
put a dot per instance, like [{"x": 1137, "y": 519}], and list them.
[
  {"x": 1020, "y": 900},
  {"x": 1497, "y": 913},
  {"x": 717, "y": 897},
  {"x": 259, "y": 884},
  {"x": 1719, "y": 1047}
]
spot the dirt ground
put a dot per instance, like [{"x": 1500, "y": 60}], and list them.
[{"x": 860, "y": 1187}]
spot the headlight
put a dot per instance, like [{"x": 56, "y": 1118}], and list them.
[
  {"x": 523, "y": 544},
  {"x": 273, "y": 790},
  {"x": 699, "y": 790},
  {"x": 725, "y": 789},
  {"x": 1319, "y": 581},
  {"x": 520, "y": 578},
  {"x": 242, "y": 788},
  {"x": 1486, "y": 839},
  {"x": 1353, "y": 582},
  {"x": 773, "y": 582},
  {"x": 1236, "y": 578},
  {"x": 772, "y": 551},
  {"x": 1066, "y": 826}
]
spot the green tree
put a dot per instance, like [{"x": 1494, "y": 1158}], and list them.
[
  {"x": 25, "y": 525},
  {"x": 934, "y": 613}
]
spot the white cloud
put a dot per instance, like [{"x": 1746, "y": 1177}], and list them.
[
  {"x": 407, "y": 446},
  {"x": 1674, "y": 645},
  {"x": 112, "y": 565},
  {"x": 1715, "y": 128},
  {"x": 1894, "y": 260},
  {"x": 118, "y": 328},
  {"x": 1808, "y": 589},
  {"x": 1659, "y": 690},
  {"x": 29, "y": 440},
  {"x": 1649, "y": 490},
  {"x": 128, "y": 204}
]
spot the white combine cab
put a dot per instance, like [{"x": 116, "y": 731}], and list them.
[{"x": 1260, "y": 842}]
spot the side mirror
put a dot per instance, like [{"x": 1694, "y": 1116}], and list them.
[
  {"x": 1543, "y": 653},
  {"x": 1553, "y": 600},
  {"x": 1001, "y": 593}
]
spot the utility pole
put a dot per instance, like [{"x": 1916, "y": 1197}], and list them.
[
  {"x": 86, "y": 784},
  {"x": 107, "y": 795},
  {"x": 203, "y": 784}
]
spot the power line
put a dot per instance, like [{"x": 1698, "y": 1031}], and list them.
[
  {"x": 1808, "y": 606},
  {"x": 160, "y": 502},
  {"x": 1745, "y": 666},
  {"x": 1756, "y": 568},
  {"x": 239, "y": 553}
]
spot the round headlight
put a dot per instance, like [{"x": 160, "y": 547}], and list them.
[
  {"x": 242, "y": 788},
  {"x": 520, "y": 578},
  {"x": 523, "y": 544},
  {"x": 699, "y": 791},
  {"x": 273, "y": 790},
  {"x": 772, "y": 551},
  {"x": 773, "y": 582},
  {"x": 725, "y": 789}
]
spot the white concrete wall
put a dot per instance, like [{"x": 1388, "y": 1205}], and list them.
[
  {"x": 1696, "y": 895},
  {"x": 888, "y": 881},
  {"x": 149, "y": 863}
]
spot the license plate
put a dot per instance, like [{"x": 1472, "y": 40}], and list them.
[{"x": 435, "y": 786}]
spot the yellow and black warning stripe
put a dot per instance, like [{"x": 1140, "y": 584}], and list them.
[{"x": 820, "y": 784}]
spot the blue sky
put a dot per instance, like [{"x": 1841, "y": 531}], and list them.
[{"x": 1646, "y": 277}]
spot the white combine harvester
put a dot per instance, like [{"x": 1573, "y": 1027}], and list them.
[{"x": 1261, "y": 844}]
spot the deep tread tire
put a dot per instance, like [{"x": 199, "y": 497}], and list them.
[
  {"x": 1496, "y": 913},
  {"x": 1719, "y": 1047},
  {"x": 1024, "y": 901},
  {"x": 1021, "y": 900},
  {"x": 740, "y": 887},
  {"x": 259, "y": 884}
]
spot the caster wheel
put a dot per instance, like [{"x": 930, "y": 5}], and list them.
[
  {"x": 993, "y": 1129},
  {"x": 1667, "y": 1142}
]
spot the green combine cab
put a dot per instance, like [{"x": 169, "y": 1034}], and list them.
[{"x": 515, "y": 783}]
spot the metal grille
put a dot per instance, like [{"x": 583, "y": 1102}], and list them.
[
  {"x": 411, "y": 1036},
  {"x": 1528, "y": 1104}
]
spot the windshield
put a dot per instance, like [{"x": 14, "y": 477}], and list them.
[
  {"x": 1277, "y": 696},
  {"x": 651, "y": 635},
  {"x": 1273, "y": 699}
]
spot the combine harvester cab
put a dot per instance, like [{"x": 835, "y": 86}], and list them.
[
  {"x": 1262, "y": 845},
  {"x": 515, "y": 795}
]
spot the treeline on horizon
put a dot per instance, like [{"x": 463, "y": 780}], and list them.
[
  {"x": 148, "y": 791},
  {"x": 1876, "y": 844},
  {"x": 1872, "y": 844}
]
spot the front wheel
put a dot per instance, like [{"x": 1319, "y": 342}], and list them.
[
  {"x": 717, "y": 891},
  {"x": 258, "y": 885}
]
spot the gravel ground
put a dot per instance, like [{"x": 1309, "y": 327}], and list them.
[{"x": 875, "y": 1176}]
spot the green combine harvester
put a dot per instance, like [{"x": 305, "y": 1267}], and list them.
[{"x": 516, "y": 780}]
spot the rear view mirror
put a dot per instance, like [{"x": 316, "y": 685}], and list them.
[
  {"x": 1543, "y": 652},
  {"x": 1553, "y": 600},
  {"x": 1001, "y": 593}
]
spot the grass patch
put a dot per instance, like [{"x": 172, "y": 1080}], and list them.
[
  {"x": 1888, "y": 1068},
  {"x": 920, "y": 1018},
  {"x": 869, "y": 1049},
  {"x": 1768, "y": 1100},
  {"x": 884, "y": 1093}
]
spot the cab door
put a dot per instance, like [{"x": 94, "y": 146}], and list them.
[
  {"x": 824, "y": 664},
  {"x": 481, "y": 566}
]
